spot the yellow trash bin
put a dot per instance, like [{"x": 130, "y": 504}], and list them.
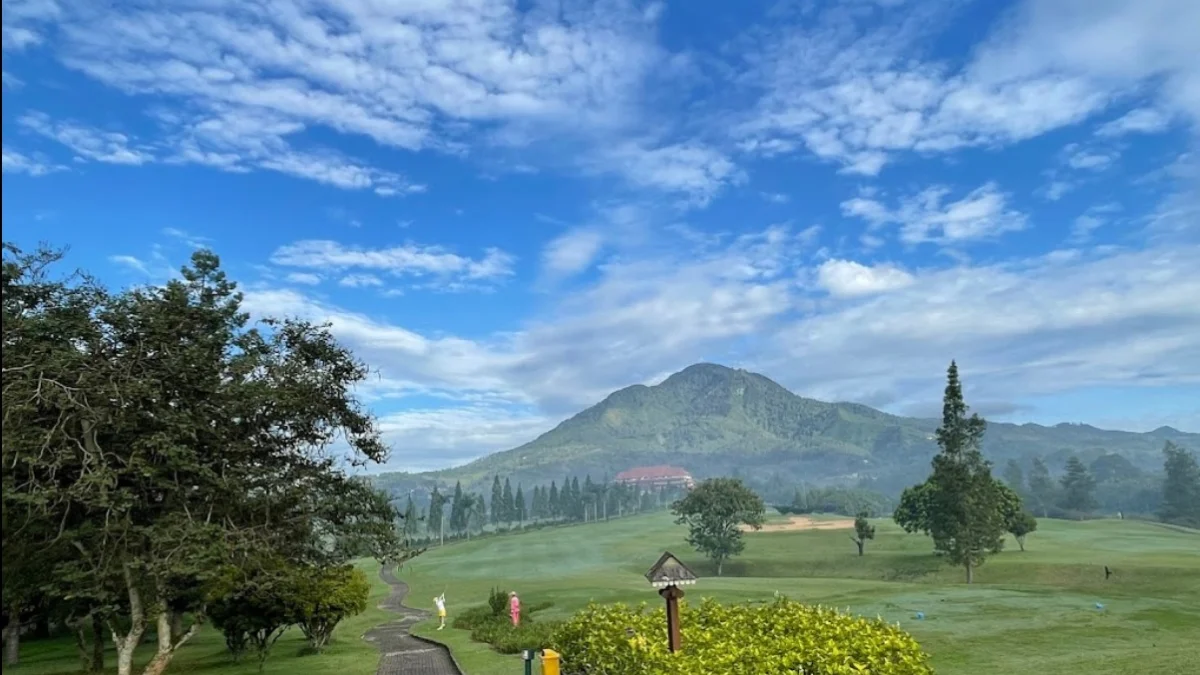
[{"x": 550, "y": 662}]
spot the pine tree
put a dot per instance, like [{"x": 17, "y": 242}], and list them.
[
  {"x": 1014, "y": 477},
  {"x": 1078, "y": 488},
  {"x": 535, "y": 503},
  {"x": 437, "y": 511},
  {"x": 410, "y": 519},
  {"x": 589, "y": 498},
  {"x": 521, "y": 511},
  {"x": 508, "y": 504},
  {"x": 1181, "y": 487},
  {"x": 458, "y": 510},
  {"x": 497, "y": 501},
  {"x": 553, "y": 506},
  {"x": 576, "y": 500},
  {"x": 1041, "y": 486},
  {"x": 965, "y": 518}
]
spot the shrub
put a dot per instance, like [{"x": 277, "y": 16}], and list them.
[
  {"x": 776, "y": 638},
  {"x": 325, "y": 596},
  {"x": 498, "y": 631},
  {"x": 497, "y": 600}
]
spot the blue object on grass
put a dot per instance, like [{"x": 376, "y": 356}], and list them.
[
  {"x": 920, "y": 615},
  {"x": 1099, "y": 606}
]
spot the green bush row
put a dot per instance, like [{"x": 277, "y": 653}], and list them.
[{"x": 778, "y": 638}]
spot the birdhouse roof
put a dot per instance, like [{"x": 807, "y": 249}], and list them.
[{"x": 670, "y": 571}]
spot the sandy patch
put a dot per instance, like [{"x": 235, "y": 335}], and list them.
[{"x": 796, "y": 523}]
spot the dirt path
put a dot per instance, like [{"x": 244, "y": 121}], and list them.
[
  {"x": 403, "y": 652},
  {"x": 805, "y": 523}
]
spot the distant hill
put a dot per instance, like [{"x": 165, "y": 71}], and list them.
[{"x": 714, "y": 420}]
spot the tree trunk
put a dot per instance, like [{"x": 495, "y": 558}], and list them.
[
  {"x": 12, "y": 643},
  {"x": 176, "y": 624},
  {"x": 128, "y": 643},
  {"x": 860, "y": 547},
  {"x": 97, "y": 644},
  {"x": 1021, "y": 542},
  {"x": 970, "y": 572},
  {"x": 720, "y": 564}
]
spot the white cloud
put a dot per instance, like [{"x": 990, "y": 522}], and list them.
[
  {"x": 17, "y": 162},
  {"x": 1087, "y": 159},
  {"x": 1136, "y": 121},
  {"x": 852, "y": 87},
  {"x": 696, "y": 170},
  {"x": 433, "y": 438},
  {"x": 982, "y": 214},
  {"x": 360, "y": 281},
  {"x": 132, "y": 262},
  {"x": 776, "y": 197},
  {"x": 1021, "y": 328},
  {"x": 12, "y": 81},
  {"x": 408, "y": 260},
  {"x": 572, "y": 252},
  {"x": 305, "y": 278},
  {"x": 411, "y": 75},
  {"x": 23, "y": 19},
  {"x": 846, "y": 278},
  {"x": 101, "y": 146}
]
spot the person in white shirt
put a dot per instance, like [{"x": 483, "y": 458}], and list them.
[{"x": 440, "y": 601}]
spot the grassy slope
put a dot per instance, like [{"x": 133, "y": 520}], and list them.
[
  {"x": 1032, "y": 611},
  {"x": 348, "y": 655}
]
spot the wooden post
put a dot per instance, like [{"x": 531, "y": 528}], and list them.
[{"x": 672, "y": 594}]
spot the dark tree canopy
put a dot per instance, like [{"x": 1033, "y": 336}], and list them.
[{"x": 156, "y": 436}]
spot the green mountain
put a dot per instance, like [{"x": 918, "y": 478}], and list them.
[{"x": 713, "y": 420}]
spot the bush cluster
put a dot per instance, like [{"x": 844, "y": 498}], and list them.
[
  {"x": 496, "y": 629},
  {"x": 778, "y": 638}
]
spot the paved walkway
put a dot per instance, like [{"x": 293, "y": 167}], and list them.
[{"x": 404, "y": 653}]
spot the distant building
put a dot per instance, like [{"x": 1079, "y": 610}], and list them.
[{"x": 655, "y": 477}]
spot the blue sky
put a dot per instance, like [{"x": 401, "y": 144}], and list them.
[{"x": 511, "y": 209}]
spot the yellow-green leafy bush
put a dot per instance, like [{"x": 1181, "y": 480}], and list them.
[{"x": 779, "y": 638}]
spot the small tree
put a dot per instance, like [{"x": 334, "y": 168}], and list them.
[
  {"x": 863, "y": 530},
  {"x": 253, "y": 609},
  {"x": 1022, "y": 524},
  {"x": 715, "y": 512},
  {"x": 325, "y": 596}
]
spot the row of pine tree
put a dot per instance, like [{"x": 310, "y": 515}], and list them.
[{"x": 462, "y": 514}]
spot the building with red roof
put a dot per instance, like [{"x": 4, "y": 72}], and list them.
[{"x": 655, "y": 477}]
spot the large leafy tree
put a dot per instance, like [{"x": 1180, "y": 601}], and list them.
[
  {"x": 1181, "y": 487},
  {"x": 965, "y": 516},
  {"x": 715, "y": 512},
  {"x": 170, "y": 439},
  {"x": 1078, "y": 488}
]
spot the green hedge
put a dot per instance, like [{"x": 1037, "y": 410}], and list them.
[
  {"x": 498, "y": 631},
  {"x": 778, "y": 638}
]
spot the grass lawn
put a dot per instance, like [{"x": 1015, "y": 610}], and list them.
[
  {"x": 1032, "y": 611},
  {"x": 205, "y": 653},
  {"x": 1029, "y": 612}
]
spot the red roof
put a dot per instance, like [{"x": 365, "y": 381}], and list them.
[{"x": 653, "y": 472}]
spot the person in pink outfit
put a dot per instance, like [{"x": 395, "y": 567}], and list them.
[{"x": 514, "y": 608}]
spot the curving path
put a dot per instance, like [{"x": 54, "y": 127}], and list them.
[{"x": 403, "y": 652}]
